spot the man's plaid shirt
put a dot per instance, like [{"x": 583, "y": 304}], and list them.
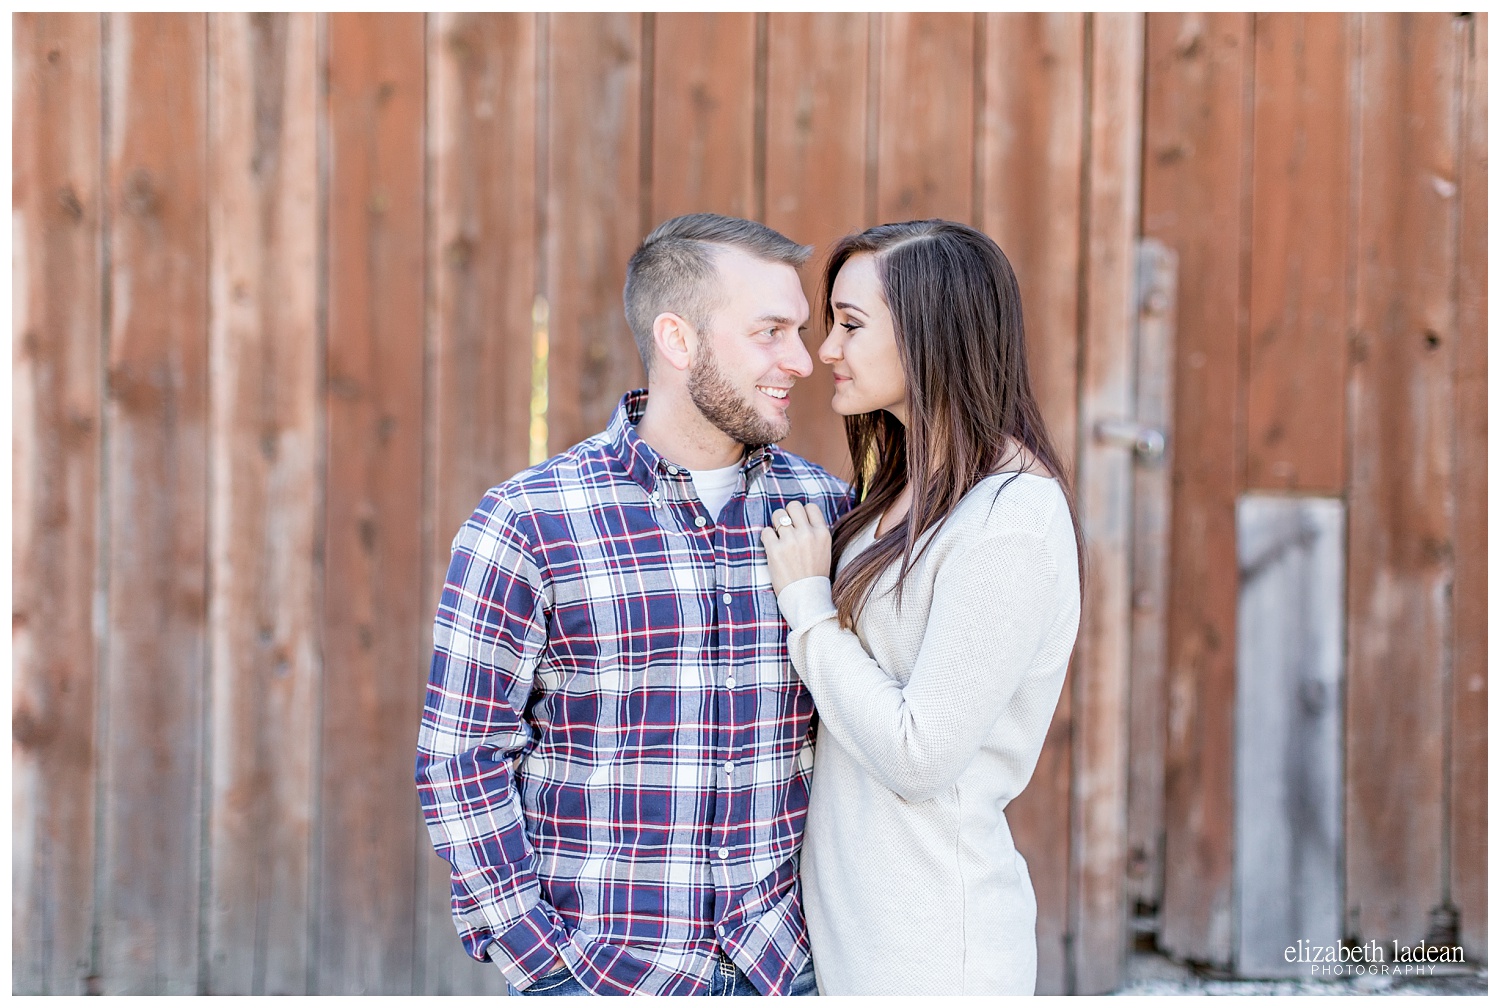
[{"x": 615, "y": 751}]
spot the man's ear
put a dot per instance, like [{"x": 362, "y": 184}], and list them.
[{"x": 676, "y": 340}]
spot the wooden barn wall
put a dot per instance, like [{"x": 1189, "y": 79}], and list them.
[
  {"x": 1322, "y": 178},
  {"x": 290, "y": 291}
]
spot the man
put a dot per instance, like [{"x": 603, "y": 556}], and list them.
[{"x": 615, "y": 750}]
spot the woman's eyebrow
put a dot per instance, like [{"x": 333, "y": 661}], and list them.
[{"x": 848, "y": 306}]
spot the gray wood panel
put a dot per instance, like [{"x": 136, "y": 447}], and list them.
[
  {"x": 1150, "y": 550},
  {"x": 1289, "y": 729}
]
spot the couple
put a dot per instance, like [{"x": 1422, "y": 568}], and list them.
[{"x": 617, "y": 750}]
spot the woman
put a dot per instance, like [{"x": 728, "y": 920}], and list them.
[{"x": 937, "y": 654}]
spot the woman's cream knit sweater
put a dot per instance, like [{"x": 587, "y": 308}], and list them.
[{"x": 932, "y": 715}]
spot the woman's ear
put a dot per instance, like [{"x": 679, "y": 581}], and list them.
[{"x": 676, "y": 340}]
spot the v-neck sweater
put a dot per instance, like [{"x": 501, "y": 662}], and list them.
[{"x": 932, "y": 715}]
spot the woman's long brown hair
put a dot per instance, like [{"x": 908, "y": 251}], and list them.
[{"x": 957, "y": 312}]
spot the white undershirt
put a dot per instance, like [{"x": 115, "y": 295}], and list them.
[{"x": 716, "y": 486}]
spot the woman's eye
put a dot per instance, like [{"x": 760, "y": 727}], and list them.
[{"x": 851, "y": 326}]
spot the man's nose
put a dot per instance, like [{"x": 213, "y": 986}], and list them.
[{"x": 799, "y": 361}]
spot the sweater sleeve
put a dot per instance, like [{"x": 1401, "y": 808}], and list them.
[{"x": 993, "y": 602}]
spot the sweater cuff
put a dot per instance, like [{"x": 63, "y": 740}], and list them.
[
  {"x": 806, "y": 601},
  {"x": 528, "y": 948}
]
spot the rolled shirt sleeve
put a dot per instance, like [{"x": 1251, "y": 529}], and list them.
[{"x": 488, "y": 638}]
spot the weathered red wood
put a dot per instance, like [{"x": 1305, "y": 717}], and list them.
[
  {"x": 482, "y": 95},
  {"x": 1031, "y": 156},
  {"x": 1100, "y": 683},
  {"x": 1400, "y": 433},
  {"x": 264, "y": 497},
  {"x": 1296, "y": 351},
  {"x": 375, "y": 612},
  {"x": 1469, "y": 853},
  {"x": 1195, "y": 163},
  {"x": 594, "y": 216},
  {"x": 703, "y": 115},
  {"x": 925, "y": 127},
  {"x": 156, "y": 494},
  {"x": 816, "y": 102},
  {"x": 1030, "y": 143},
  {"x": 55, "y": 462}
]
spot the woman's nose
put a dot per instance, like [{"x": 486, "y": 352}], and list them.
[{"x": 831, "y": 350}]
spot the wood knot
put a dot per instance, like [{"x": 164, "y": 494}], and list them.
[
  {"x": 1359, "y": 348},
  {"x": 367, "y": 534},
  {"x": 1190, "y": 45},
  {"x": 1172, "y": 154},
  {"x": 68, "y": 200},
  {"x": 702, "y": 99},
  {"x": 460, "y": 252},
  {"x": 141, "y": 196},
  {"x": 29, "y": 731}
]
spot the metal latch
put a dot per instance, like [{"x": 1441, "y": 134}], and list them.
[{"x": 1148, "y": 443}]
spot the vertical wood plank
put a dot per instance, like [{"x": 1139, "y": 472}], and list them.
[
  {"x": 925, "y": 132},
  {"x": 1469, "y": 756},
  {"x": 1150, "y": 547},
  {"x": 157, "y": 471},
  {"x": 703, "y": 115},
  {"x": 1193, "y": 192},
  {"x": 594, "y": 216},
  {"x": 263, "y": 429},
  {"x": 816, "y": 97},
  {"x": 482, "y": 128},
  {"x": 1400, "y": 432},
  {"x": 375, "y": 612},
  {"x": 1288, "y": 730},
  {"x": 55, "y": 463},
  {"x": 1299, "y": 265},
  {"x": 1106, "y": 391},
  {"x": 1031, "y": 158},
  {"x": 1030, "y": 146}
]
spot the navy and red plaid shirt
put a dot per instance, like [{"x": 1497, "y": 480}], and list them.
[{"x": 615, "y": 750}]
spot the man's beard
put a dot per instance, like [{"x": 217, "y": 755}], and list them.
[{"x": 725, "y": 408}]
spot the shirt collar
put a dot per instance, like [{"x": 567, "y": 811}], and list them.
[{"x": 645, "y": 464}]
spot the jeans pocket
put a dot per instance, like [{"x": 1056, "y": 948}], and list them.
[{"x": 547, "y": 981}]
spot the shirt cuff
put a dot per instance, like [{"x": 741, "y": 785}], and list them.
[
  {"x": 528, "y": 948},
  {"x": 806, "y": 601}
]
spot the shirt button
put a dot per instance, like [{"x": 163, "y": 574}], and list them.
[
  {"x": 729, "y": 766},
  {"x": 729, "y": 682},
  {"x": 672, "y": 470},
  {"x": 723, "y": 853},
  {"x": 700, "y": 521},
  {"x": 728, "y": 598}
]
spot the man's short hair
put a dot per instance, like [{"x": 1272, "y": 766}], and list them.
[{"x": 674, "y": 270}]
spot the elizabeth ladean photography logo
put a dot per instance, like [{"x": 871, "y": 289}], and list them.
[{"x": 1391, "y": 958}]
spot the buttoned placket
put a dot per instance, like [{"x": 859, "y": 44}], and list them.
[
  {"x": 723, "y": 608},
  {"x": 748, "y": 498},
  {"x": 709, "y": 537}
]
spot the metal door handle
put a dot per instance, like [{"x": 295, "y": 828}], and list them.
[{"x": 1148, "y": 443}]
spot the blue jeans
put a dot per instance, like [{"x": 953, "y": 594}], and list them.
[{"x": 727, "y": 981}]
